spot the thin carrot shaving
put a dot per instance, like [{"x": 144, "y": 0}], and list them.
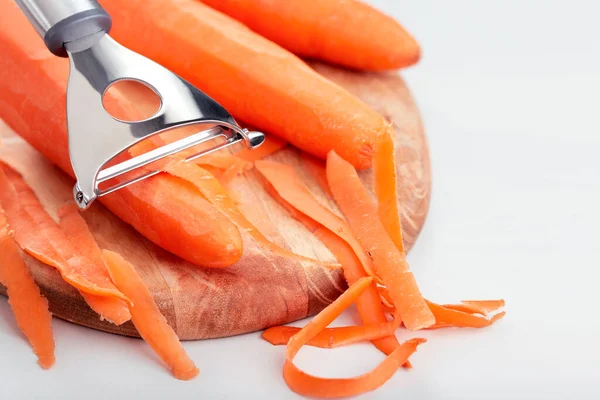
[
  {"x": 330, "y": 338},
  {"x": 384, "y": 171},
  {"x": 288, "y": 186},
  {"x": 41, "y": 237},
  {"x": 485, "y": 306},
  {"x": 147, "y": 318},
  {"x": 445, "y": 317},
  {"x": 369, "y": 306},
  {"x": 390, "y": 264},
  {"x": 29, "y": 307},
  {"x": 216, "y": 194},
  {"x": 271, "y": 145},
  {"x": 309, "y": 385},
  {"x": 76, "y": 229},
  {"x": 316, "y": 168}
]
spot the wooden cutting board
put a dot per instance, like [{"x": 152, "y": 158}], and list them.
[{"x": 260, "y": 290}]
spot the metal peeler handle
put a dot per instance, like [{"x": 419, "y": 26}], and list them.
[{"x": 66, "y": 21}]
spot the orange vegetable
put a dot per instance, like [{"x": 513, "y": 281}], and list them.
[
  {"x": 346, "y": 32},
  {"x": 329, "y": 338},
  {"x": 150, "y": 323},
  {"x": 256, "y": 80},
  {"x": 271, "y": 145},
  {"x": 368, "y": 304},
  {"x": 308, "y": 385},
  {"x": 43, "y": 239},
  {"x": 82, "y": 240},
  {"x": 32, "y": 102},
  {"x": 384, "y": 171},
  {"x": 390, "y": 264},
  {"x": 27, "y": 303},
  {"x": 485, "y": 306}
]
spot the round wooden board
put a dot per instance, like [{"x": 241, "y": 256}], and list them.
[{"x": 260, "y": 290}]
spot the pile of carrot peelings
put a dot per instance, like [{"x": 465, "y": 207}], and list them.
[
  {"x": 109, "y": 284},
  {"x": 369, "y": 245}
]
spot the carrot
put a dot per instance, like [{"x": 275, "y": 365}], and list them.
[
  {"x": 43, "y": 239},
  {"x": 29, "y": 307},
  {"x": 76, "y": 229},
  {"x": 286, "y": 183},
  {"x": 345, "y": 32},
  {"x": 390, "y": 264},
  {"x": 271, "y": 145},
  {"x": 368, "y": 304},
  {"x": 32, "y": 102},
  {"x": 330, "y": 338},
  {"x": 210, "y": 187},
  {"x": 446, "y": 317},
  {"x": 308, "y": 385},
  {"x": 147, "y": 318},
  {"x": 256, "y": 80},
  {"x": 384, "y": 171}
]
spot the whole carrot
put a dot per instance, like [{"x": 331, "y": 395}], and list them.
[
  {"x": 256, "y": 80},
  {"x": 344, "y": 32}
]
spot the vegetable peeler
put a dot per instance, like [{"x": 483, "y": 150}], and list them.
[{"x": 78, "y": 29}]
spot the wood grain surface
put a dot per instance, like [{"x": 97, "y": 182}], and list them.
[{"x": 260, "y": 290}]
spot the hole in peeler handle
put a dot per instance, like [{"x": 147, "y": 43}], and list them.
[{"x": 130, "y": 100}]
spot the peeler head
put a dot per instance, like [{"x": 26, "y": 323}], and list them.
[{"x": 96, "y": 137}]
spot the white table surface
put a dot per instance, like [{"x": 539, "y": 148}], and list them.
[{"x": 509, "y": 91}]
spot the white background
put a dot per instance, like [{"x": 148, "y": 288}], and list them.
[{"x": 509, "y": 92}]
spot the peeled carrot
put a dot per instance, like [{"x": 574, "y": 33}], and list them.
[
  {"x": 42, "y": 238},
  {"x": 368, "y": 304},
  {"x": 82, "y": 240},
  {"x": 256, "y": 80},
  {"x": 27, "y": 303},
  {"x": 308, "y": 385},
  {"x": 147, "y": 318},
  {"x": 390, "y": 264},
  {"x": 345, "y": 32},
  {"x": 32, "y": 102},
  {"x": 384, "y": 171},
  {"x": 271, "y": 145},
  {"x": 330, "y": 338}
]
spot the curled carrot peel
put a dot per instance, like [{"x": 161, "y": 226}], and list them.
[
  {"x": 283, "y": 178},
  {"x": 74, "y": 226},
  {"x": 368, "y": 304},
  {"x": 214, "y": 192},
  {"x": 446, "y": 317},
  {"x": 316, "y": 168},
  {"x": 384, "y": 171},
  {"x": 29, "y": 307},
  {"x": 330, "y": 338},
  {"x": 41, "y": 237},
  {"x": 485, "y": 306},
  {"x": 147, "y": 318},
  {"x": 309, "y": 385},
  {"x": 271, "y": 145},
  {"x": 390, "y": 264}
]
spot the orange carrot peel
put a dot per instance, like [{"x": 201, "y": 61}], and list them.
[
  {"x": 390, "y": 264},
  {"x": 309, "y": 385},
  {"x": 147, "y": 318},
  {"x": 29, "y": 307}
]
